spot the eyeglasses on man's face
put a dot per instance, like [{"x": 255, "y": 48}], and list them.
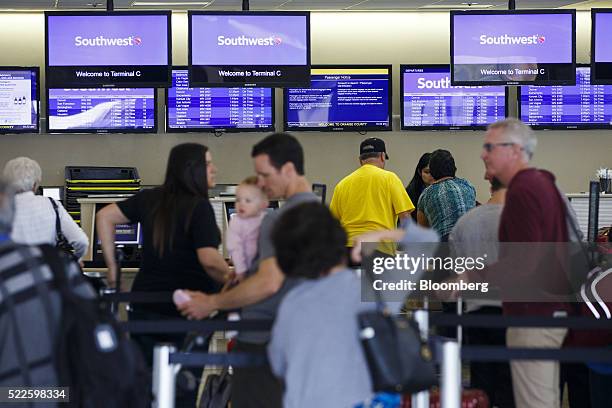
[{"x": 489, "y": 147}]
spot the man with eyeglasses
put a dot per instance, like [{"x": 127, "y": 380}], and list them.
[{"x": 534, "y": 212}]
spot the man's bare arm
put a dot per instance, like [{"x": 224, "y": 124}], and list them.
[
  {"x": 422, "y": 219},
  {"x": 404, "y": 214},
  {"x": 264, "y": 283}
]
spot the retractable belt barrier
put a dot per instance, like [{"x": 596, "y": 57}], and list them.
[
  {"x": 572, "y": 354},
  {"x": 219, "y": 359},
  {"x": 137, "y": 297},
  {"x": 491, "y": 322},
  {"x": 183, "y": 326},
  {"x": 449, "y": 354}
]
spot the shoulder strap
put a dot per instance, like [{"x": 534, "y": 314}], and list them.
[
  {"x": 58, "y": 226},
  {"x": 573, "y": 230}
]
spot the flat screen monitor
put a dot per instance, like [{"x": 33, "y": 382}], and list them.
[
  {"x": 102, "y": 110},
  {"x": 269, "y": 49},
  {"x": 320, "y": 191},
  {"x": 513, "y": 47},
  {"x": 567, "y": 107},
  {"x": 601, "y": 46},
  {"x": 107, "y": 49},
  {"x": 56, "y": 193},
  {"x": 128, "y": 234},
  {"x": 125, "y": 234},
  {"x": 429, "y": 101},
  {"x": 19, "y": 96},
  {"x": 217, "y": 109},
  {"x": 343, "y": 98}
]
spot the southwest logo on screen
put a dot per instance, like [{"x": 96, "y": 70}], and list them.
[
  {"x": 249, "y": 41},
  {"x": 512, "y": 40},
  {"x": 101, "y": 41}
]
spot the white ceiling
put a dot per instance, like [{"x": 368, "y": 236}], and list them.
[{"x": 313, "y": 5}]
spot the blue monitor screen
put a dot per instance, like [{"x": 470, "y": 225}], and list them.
[
  {"x": 18, "y": 100},
  {"x": 430, "y": 102},
  {"x": 567, "y": 107},
  {"x": 217, "y": 109},
  {"x": 126, "y": 234},
  {"x": 341, "y": 98},
  {"x": 119, "y": 110}
]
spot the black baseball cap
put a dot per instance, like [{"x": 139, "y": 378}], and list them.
[{"x": 373, "y": 145}]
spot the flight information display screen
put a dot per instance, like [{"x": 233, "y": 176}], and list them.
[
  {"x": 104, "y": 110},
  {"x": 341, "y": 98},
  {"x": 429, "y": 101},
  {"x": 567, "y": 107},
  {"x": 18, "y": 100},
  {"x": 217, "y": 109}
]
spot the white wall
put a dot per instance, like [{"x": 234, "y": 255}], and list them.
[{"x": 348, "y": 38}]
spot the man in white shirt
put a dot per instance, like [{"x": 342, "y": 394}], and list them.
[{"x": 34, "y": 222}]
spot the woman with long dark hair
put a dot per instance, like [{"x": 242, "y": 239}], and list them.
[
  {"x": 421, "y": 179},
  {"x": 180, "y": 237}
]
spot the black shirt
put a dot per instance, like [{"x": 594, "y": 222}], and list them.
[{"x": 179, "y": 267}]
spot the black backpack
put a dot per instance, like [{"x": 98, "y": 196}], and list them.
[{"x": 94, "y": 357}]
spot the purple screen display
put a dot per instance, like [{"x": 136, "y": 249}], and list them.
[
  {"x": 249, "y": 40},
  {"x": 107, "y": 40},
  {"x": 567, "y": 106},
  {"x": 430, "y": 100},
  {"x": 507, "y": 39},
  {"x": 603, "y": 35},
  {"x": 101, "y": 109}
]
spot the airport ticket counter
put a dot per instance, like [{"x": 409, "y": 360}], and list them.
[{"x": 130, "y": 236}]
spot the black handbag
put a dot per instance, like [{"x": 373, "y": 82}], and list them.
[
  {"x": 217, "y": 390},
  {"x": 61, "y": 242},
  {"x": 398, "y": 359}
]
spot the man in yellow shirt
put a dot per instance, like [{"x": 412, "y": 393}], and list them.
[{"x": 370, "y": 198}]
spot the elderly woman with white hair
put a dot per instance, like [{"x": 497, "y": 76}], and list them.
[{"x": 35, "y": 217}]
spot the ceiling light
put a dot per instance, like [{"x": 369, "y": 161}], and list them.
[
  {"x": 171, "y": 3},
  {"x": 456, "y": 6}
]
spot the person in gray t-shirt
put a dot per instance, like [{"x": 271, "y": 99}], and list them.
[{"x": 315, "y": 345}]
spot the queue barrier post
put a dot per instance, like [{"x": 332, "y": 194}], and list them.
[
  {"x": 164, "y": 376},
  {"x": 421, "y": 317},
  {"x": 450, "y": 393}
]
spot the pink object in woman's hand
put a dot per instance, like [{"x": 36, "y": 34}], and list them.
[{"x": 180, "y": 296}]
